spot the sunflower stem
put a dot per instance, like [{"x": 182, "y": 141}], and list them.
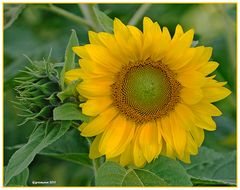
[
  {"x": 95, "y": 162},
  {"x": 89, "y": 15},
  {"x": 66, "y": 14},
  {"x": 139, "y": 14}
]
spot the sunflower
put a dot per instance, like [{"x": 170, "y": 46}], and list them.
[{"x": 147, "y": 93}]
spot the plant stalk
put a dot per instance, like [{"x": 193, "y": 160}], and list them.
[
  {"x": 139, "y": 14},
  {"x": 95, "y": 162},
  {"x": 66, "y": 14},
  {"x": 89, "y": 15}
]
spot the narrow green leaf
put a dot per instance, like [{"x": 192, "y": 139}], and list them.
[
  {"x": 161, "y": 172},
  {"x": 69, "y": 62},
  {"x": 69, "y": 111},
  {"x": 69, "y": 91},
  {"x": 20, "y": 179},
  {"x": 104, "y": 21},
  {"x": 37, "y": 141}
]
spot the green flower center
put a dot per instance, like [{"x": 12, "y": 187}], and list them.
[
  {"x": 145, "y": 91},
  {"x": 147, "y": 88}
]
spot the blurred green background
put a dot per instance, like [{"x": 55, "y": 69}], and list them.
[{"x": 35, "y": 31}]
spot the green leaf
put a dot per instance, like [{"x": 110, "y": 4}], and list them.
[
  {"x": 213, "y": 168},
  {"x": 204, "y": 156},
  {"x": 11, "y": 13},
  {"x": 161, "y": 172},
  {"x": 20, "y": 179},
  {"x": 170, "y": 170},
  {"x": 142, "y": 177},
  {"x": 69, "y": 62},
  {"x": 37, "y": 141},
  {"x": 69, "y": 111},
  {"x": 69, "y": 91},
  {"x": 70, "y": 147},
  {"x": 104, "y": 21},
  {"x": 77, "y": 158}
]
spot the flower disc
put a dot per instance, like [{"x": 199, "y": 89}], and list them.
[{"x": 145, "y": 91}]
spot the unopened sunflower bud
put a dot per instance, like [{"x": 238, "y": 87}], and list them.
[{"x": 37, "y": 91}]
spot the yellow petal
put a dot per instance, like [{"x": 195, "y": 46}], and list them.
[
  {"x": 162, "y": 44},
  {"x": 183, "y": 58},
  {"x": 178, "y": 32},
  {"x": 124, "y": 39},
  {"x": 178, "y": 47},
  {"x": 196, "y": 61},
  {"x": 184, "y": 116},
  {"x": 126, "y": 139},
  {"x": 166, "y": 130},
  {"x": 101, "y": 56},
  {"x": 191, "y": 145},
  {"x": 206, "y": 108},
  {"x": 208, "y": 68},
  {"x": 92, "y": 69},
  {"x": 138, "y": 157},
  {"x": 93, "y": 107},
  {"x": 126, "y": 156},
  {"x": 116, "y": 137},
  {"x": 191, "y": 96},
  {"x": 166, "y": 34},
  {"x": 99, "y": 123},
  {"x": 72, "y": 75},
  {"x": 148, "y": 141},
  {"x": 93, "y": 38},
  {"x": 214, "y": 94},
  {"x": 206, "y": 55},
  {"x": 95, "y": 88},
  {"x": 185, "y": 157},
  {"x": 205, "y": 122},
  {"x": 187, "y": 38},
  {"x": 191, "y": 79},
  {"x": 147, "y": 32},
  {"x": 81, "y": 51},
  {"x": 179, "y": 135},
  {"x": 94, "y": 151},
  {"x": 211, "y": 82},
  {"x": 137, "y": 42},
  {"x": 197, "y": 134},
  {"x": 160, "y": 131},
  {"x": 111, "y": 44},
  {"x": 169, "y": 151}
]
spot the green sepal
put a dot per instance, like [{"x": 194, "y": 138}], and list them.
[
  {"x": 69, "y": 91},
  {"x": 104, "y": 21},
  {"x": 69, "y": 62},
  {"x": 69, "y": 111}
]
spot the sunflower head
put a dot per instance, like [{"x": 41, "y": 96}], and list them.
[
  {"x": 37, "y": 91},
  {"x": 148, "y": 93}
]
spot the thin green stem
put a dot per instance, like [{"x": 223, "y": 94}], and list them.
[
  {"x": 66, "y": 14},
  {"x": 139, "y": 14},
  {"x": 95, "y": 162},
  {"x": 89, "y": 14}
]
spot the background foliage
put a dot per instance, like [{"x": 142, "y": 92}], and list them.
[{"x": 33, "y": 30}]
